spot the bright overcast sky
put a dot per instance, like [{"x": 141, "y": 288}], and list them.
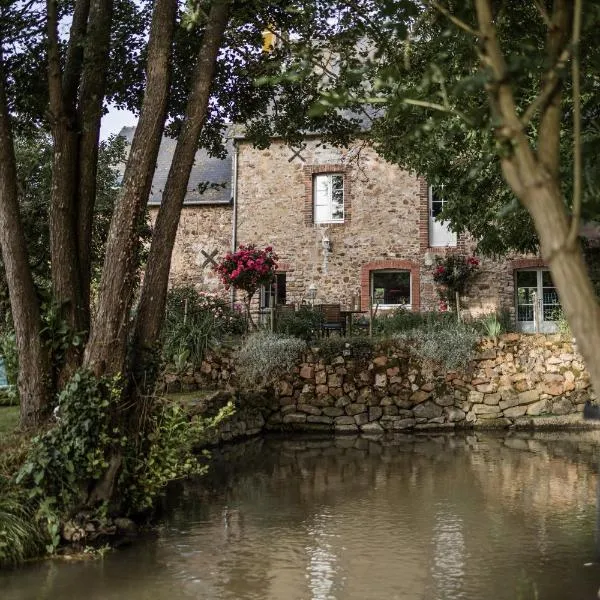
[{"x": 115, "y": 120}]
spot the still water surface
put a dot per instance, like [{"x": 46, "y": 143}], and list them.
[{"x": 414, "y": 518}]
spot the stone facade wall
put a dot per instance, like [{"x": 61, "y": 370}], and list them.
[
  {"x": 517, "y": 381},
  {"x": 202, "y": 230},
  {"x": 386, "y": 226}
]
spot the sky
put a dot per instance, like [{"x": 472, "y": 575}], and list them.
[{"x": 115, "y": 120}]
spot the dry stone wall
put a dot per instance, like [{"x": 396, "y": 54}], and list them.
[{"x": 517, "y": 380}]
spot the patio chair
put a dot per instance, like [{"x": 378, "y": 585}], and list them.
[{"x": 333, "y": 320}]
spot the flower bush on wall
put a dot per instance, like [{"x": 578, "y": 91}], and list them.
[
  {"x": 453, "y": 274},
  {"x": 246, "y": 270}
]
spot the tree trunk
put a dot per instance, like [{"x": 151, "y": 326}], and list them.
[
  {"x": 534, "y": 177},
  {"x": 63, "y": 88},
  {"x": 154, "y": 291},
  {"x": 93, "y": 87},
  {"x": 107, "y": 345},
  {"x": 33, "y": 363}
]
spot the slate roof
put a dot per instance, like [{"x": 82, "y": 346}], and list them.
[{"x": 206, "y": 169}]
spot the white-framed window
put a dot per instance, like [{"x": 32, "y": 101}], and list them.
[
  {"x": 439, "y": 231},
  {"x": 391, "y": 288},
  {"x": 328, "y": 198}
]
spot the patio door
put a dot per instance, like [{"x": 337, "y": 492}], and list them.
[{"x": 537, "y": 301}]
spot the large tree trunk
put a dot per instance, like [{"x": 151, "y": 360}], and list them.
[
  {"x": 107, "y": 345},
  {"x": 63, "y": 88},
  {"x": 154, "y": 291},
  {"x": 534, "y": 176},
  {"x": 93, "y": 88},
  {"x": 33, "y": 363}
]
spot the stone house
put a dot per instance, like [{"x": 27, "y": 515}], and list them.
[{"x": 347, "y": 226}]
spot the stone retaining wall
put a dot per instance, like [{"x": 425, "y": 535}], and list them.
[{"x": 517, "y": 380}]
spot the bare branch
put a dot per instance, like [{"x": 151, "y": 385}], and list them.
[
  {"x": 574, "y": 229},
  {"x": 461, "y": 24},
  {"x": 548, "y": 89},
  {"x": 543, "y": 13},
  {"x": 439, "y": 107}
]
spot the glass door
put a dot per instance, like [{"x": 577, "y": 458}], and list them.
[{"x": 537, "y": 303}]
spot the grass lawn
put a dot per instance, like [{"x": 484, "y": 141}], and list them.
[{"x": 9, "y": 419}]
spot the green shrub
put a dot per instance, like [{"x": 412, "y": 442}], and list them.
[
  {"x": 20, "y": 535},
  {"x": 75, "y": 452},
  {"x": 388, "y": 323},
  {"x": 451, "y": 345},
  {"x": 266, "y": 356},
  {"x": 193, "y": 323},
  {"x": 305, "y": 323},
  {"x": 489, "y": 325},
  {"x": 8, "y": 354},
  {"x": 166, "y": 453}
]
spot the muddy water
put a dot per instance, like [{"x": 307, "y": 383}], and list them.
[{"x": 413, "y": 518}]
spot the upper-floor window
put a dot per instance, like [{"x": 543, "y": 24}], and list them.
[
  {"x": 328, "y": 197},
  {"x": 439, "y": 231}
]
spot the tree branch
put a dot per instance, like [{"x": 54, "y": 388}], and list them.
[
  {"x": 54, "y": 70},
  {"x": 548, "y": 89},
  {"x": 461, "y": 24},
  {"x": 574, "y": 229},
  {"x": 543, "y": 13}
]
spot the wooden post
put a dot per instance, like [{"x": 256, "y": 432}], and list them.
[{"x": 457, "y": 306}]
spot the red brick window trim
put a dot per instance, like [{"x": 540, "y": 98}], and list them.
[
  {"x": 310, "y": 171},
  {"x": 396, "y": 265},
  {"x": 528, "y": 263}
]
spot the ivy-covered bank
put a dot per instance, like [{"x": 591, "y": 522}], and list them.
[{"x": 348, "y": 386}]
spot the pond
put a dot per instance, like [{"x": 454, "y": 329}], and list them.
[{"x": 415, "y": 517}]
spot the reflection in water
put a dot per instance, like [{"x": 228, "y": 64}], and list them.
[
  {"x": 321, "y": 567},
  {"x": 448, "y": 555},
  {"x": 417, "y": 517}
]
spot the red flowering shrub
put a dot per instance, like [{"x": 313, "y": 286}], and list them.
[
  {"x": 247, "y": 269},
  {"x": 453, "y": 275}
]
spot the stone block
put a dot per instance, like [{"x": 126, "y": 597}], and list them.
[
  {"x": 288, "y": 409},
  {"x": 380, "y": 380},
  {"x": 390, "y": 411},
  {"x": 373, "y": 428},
  {"x": 475, "y": 397},
  {"x": 342, "y": 401},
  {"x": 375, "y": 413},
  {"x": 444, "y": 400},
  {"x": 346, "y": 428},
  {"x": 455, "y": 414},
  {"x": 399, "y": 424},
  {"x": 486, "y": 409},
  {"x": 345, "y": 420},
  {"x": 334, "y": 381},
  {"x": 529, "y": 396},
  {"x": 333, "y": 411},
  {"x": 321, "y": 378},
  {"x": 537, "y": 408},
  {"x": 308, "y": 409},
  {"x": 563, "y": 406},
  {"x": 307, "y": 371},
  {"x": 486, "y": 388},
  {"x": 427, "y": 410},
  {"x": 420, "y": 396},
  {"x": 361, "y": 418},
  {"x": 492, "y": 399},
  {"x": 355, "y": 409},
  {"x": 515, "y": 411},
  {"x": 322, "y": 419},
  {"x": 294, "y": 418}
]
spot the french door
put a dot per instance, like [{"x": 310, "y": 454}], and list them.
[{"x": 537, "y": 304}]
